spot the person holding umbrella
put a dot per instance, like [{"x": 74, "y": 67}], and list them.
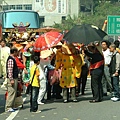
[
  {"x": 70, "y": 64},
  {"x": 96, "y": 70}
]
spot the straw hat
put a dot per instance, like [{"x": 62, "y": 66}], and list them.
[
  {"x": 98, "y": 46},
  {"x": 18, "y": 46},
  {"x": 68, "y": 49},
  {"x": 45, "y": 53},
  {"x": 59, "y": 44}
]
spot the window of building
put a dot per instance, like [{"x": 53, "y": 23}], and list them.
[
  {"x": 41, "y": 2},
  {"x": 59, "y": 6},
  {"x": 19, "y": 7},
  {"x": 12, "y": 7},
  {"x": 5, "y": 7},
  {"x": 28, "y": 7},
  {"x": 37, "y": 0}
]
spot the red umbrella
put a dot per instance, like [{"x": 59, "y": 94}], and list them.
[
  {"x": 47, "y": 40},
  {"x": 47, "y": 29}
]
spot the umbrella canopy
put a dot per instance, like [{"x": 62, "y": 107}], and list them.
[
  {"x": 47, "y": 29},
  {"x": 47, "y": 40},
  {"x": 84, "y": 34}
]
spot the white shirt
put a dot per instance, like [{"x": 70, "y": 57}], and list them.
[
  {"x": 42, "y": 76},
  {"x": 5, "y": 52},
  {"x": 107, "y": 56},
  {"x": 44, "y": 62}
]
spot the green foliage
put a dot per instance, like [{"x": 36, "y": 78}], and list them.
[
  {"x": 68, "y": 23},
  {"x": 101, "y": 11}
]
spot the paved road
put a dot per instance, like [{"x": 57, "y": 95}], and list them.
[{"x": 57, "y": 110}]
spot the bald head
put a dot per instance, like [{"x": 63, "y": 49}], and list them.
[{"x": 112, "y": 47}]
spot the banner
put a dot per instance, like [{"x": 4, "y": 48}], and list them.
[{"x": 51, "y": 6}]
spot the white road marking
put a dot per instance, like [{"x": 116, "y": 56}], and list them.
[
  {"x": 13, "y": 114},
  {"x": 25, "y": 118},
  {"x": 55, "y": 113},
  {"x": 65, "y": 119},
  {"x": 70, "y": 106}
]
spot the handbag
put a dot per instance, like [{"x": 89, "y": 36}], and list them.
[
  {"x": 30, "y": 85},
  {"x": 55, "y": 79}
]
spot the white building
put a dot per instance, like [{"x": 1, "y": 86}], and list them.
[{"x": 50, "y": 11}]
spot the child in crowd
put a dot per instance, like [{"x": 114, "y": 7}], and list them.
[{"x": 35, "y": 83}]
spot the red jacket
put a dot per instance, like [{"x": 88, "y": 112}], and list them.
[{"x": 19, "y": 64}]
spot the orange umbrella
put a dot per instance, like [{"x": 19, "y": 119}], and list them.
[
  {"x": 47, "y": 40},
  {"x": 47, "y": 29}
]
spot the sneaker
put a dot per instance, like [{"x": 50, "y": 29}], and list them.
[
  {"x": 75, "y": 100},
  {"x": 65, "y": 101},
  {"x": 11, "y": 110},
  {"x": 41, "y": 103},
  {"x": 15, "y": 108},
  {"x": 38, "y": 111},
  {"x": 114, "y": 99}
]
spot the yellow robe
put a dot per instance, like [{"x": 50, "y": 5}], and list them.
[{"x": 71, "y": 68}]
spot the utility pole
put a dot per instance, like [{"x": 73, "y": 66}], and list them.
[{"x": 92, "y": 7}]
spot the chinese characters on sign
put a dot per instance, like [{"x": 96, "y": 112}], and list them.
[
  {"x": 113, "y": 27},
  {"x": 52, "y": 6}
]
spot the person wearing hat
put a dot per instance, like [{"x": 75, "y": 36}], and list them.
[
  {"x": 96, "y": 70},
  {"x": 70, "y": 64},
  {"x": 44, "y": 61},
  {"x": 26, "y": 56}
]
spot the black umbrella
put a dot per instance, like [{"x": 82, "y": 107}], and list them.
[{"x": 84, "y": 34}]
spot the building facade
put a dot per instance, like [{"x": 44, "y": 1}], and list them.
[{"x": 50, "y": 11}]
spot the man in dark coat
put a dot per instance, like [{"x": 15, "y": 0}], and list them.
[
  {"x": 114, "y": 72},
  {"x": 96, "y": 70}
]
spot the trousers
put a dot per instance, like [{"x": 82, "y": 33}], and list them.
[
  {"x": 42, "y": 90},
  {"x": 82, "y": 80},
  {"x": 33, "y": 99},
  {"x": 2, "y": 68},
  {"x": 12, "y": 93},
  {"x": 115, "y": 83},
  {"x": 96, "y": 84},
  {"x": 66, "y": 93},
  {"x": 106, "y": 80}
]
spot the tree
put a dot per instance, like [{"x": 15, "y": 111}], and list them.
[
  {"x": 100, "y": 13},
  {"x": 68, "y": 23}
]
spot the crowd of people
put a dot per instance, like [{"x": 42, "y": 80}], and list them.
[{"x": 62, "y": 68}]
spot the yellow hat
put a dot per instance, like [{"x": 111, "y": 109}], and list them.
[
  {"x": 68, "y": 49},
  {"x": 45, "y": 53}
]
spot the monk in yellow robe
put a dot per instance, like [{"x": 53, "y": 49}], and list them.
[{"x": 70, "y": 63}]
